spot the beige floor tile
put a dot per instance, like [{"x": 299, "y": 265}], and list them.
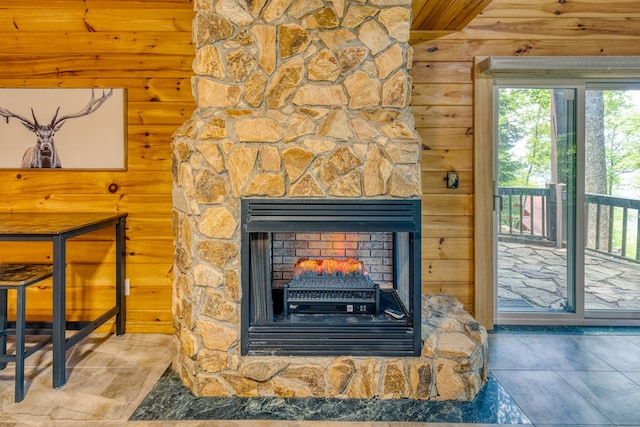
[{"x": 107, "y": 378}]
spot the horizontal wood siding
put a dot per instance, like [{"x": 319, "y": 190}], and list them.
[
  {"x": 145, "y": 47},
  {"x": 444, "y": 110}
]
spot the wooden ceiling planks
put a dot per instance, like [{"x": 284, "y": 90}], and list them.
[{"x": 445, "y": 15}]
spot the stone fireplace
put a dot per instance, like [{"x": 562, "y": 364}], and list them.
[{"x": 301, "y": 100}]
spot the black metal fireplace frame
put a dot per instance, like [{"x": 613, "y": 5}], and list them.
[{"x": 383, "y": 338}]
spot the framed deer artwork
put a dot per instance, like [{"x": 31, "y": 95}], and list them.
[{"x": 63, "y": 128}]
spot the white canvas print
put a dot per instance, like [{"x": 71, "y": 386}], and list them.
[{"x": 63, "y": 128}]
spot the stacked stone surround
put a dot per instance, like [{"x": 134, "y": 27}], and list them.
[{"x": 298, "y": 99}]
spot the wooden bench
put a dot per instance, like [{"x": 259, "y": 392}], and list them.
[{"x": 18, "y": 277}]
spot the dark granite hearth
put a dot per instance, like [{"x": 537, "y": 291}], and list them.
[{"x": 170, "y": 400}]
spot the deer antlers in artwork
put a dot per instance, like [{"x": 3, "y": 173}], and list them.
[{"x": 44, "y": 154}]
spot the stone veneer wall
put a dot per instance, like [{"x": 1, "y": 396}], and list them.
[{"x": 297, "y": 98}]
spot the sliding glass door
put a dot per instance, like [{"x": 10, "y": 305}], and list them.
[
  {"x": 535, "y": 193},
  {"x": 612, "y": 201},
  {"x": 567, "y": 197}
]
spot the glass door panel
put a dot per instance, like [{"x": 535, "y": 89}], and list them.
[
  {"x": 535, "y": 189},
  {"x": 612, "y": 200}
]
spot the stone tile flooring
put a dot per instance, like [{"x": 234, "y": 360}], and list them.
[
  {"x": 107, "y": 378},
  {"x": 570, "y": 376},
  {"x": 170, "y": 400},
  {"x": 546, "y": 376},
  {"x": 534, "y": 277}
]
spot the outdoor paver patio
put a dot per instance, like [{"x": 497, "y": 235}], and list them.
[{"x": 534, "y": 277}]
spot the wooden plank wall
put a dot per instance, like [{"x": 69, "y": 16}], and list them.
[
  {"x": 443, "y": 107},
  {"x": 145, "y": 47}
]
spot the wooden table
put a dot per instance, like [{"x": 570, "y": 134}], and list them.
[{"x": 58, "y": 228}]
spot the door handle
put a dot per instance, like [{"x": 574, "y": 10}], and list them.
[{"x": 497, "y": 202}]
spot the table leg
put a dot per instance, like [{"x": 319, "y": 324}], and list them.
[
  {"x": 3, "y": 325},
  {"x": 120, "y": 277},
  {"x": 59, "y": 323}
]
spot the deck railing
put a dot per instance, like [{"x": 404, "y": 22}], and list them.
[
  {"x": 528, "y": 212},
  {"x": 612, "y": 224}
]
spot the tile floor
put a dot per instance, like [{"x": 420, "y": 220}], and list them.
[
  {"x": 579, "y": 376},
  {"x": 568, "y": 378}
]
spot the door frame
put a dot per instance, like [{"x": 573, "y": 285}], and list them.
[
  {"x": 574, "y": 263},
  {"x": 484, "y": 71},
  {"x": 484, "y": 293}
]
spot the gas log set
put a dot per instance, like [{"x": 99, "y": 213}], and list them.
[{"x": 336, "y": 286}]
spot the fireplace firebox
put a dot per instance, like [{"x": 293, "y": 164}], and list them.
[{"x": 331, "y": 277}]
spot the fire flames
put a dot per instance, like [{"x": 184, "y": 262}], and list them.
[{"x": 329, "y": 266}]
